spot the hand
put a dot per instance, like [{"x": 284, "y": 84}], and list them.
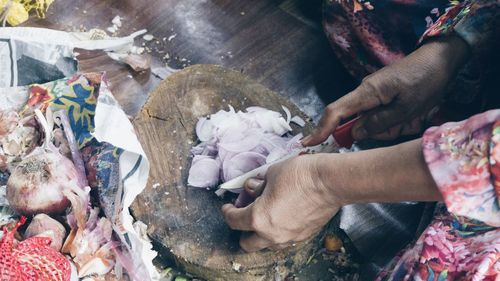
[
  {"x": 299, "y": 196},
  {"x": 396, "y": 99},
  {"x": 291, "y": 205}
]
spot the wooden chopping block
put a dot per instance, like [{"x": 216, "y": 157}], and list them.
[{"x": 187, "y": 221}]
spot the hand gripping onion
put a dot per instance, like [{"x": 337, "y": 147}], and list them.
[{"x": 36, "y": 185}]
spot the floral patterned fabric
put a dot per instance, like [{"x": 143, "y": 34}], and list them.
[
  {"x": 367, "y": 36},
  {"x": 477, "y": 22},
  {"x": 77, "y": 96},
  {"x": 463, "y": 240},
  {"x": 459, "y": 158}
]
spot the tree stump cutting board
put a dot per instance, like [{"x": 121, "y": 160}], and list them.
[{"x": 187, "y": 221}]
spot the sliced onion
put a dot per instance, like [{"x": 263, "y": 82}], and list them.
[
  {"x": 225, "y": 155},
  {"x": 271, "y": 141},
  {"x": 200, "y": 157},
  {"x": 204, "y": 172},
  {"x": 280, "y": 126},
  {"x": 299, "y": 121},
  {"x": 240, "y": 142},
  {"x": 276, "y": 154},
  {"x": 237, "y": 142},
  {"x": 242, "y": 163},
  {"x": 252, "y": 109},
  {"x": 261, "y": 149},
  {"x": 288, "y": 114},
  {"x": 198, "y": 150},
  {"x": 204, "y": 129}
]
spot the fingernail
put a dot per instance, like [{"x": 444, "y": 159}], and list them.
[
  {"x": 359, "y": 133},
  {"x": 254, "y": 187},
  {"x": 306, "y": 140},
  {"x": 253, "y": 183},
  {"x": 225, "y": 207},
  {"x": 243, "y": 200}
]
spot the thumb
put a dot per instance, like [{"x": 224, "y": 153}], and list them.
[
  {"x": 361, "y": 99},
  {"x": 378, "y": 121}
]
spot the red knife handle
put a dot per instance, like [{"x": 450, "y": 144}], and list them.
[{"x": 343, "y": 133}]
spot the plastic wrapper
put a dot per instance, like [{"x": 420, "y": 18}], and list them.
[
  {"x": 38, "y": 55},
  {"x": 116, "y": 165}
]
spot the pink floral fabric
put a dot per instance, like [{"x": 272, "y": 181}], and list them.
[
  {"x": 476, "y": 21},
  {"x": 463, "y": 241},
  {"x": 458, "y": 155}
]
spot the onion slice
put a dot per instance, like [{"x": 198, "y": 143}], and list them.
[
  {"x": 288, "y": 114},
  {"x": 75, "y": 152},
  {"x": 204, "y": 172},
  {"x": 236, "y": 142},
  {"x": 242, "y": 163},
  {"x": 299, "y": 121}
]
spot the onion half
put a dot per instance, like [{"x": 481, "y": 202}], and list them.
[{"x": 36, "y": 184}]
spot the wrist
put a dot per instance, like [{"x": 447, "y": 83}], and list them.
[
  {"x": 392, "y": 174},
  {"x": 452, "y": 50},
  {"x": 333, "y": 172}
]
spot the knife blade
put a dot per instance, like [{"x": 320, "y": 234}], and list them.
[{"x": 341, "y": 138}]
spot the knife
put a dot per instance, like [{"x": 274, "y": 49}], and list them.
[{"x": 341, "y": 138}]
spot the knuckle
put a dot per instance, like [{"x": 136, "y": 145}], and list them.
[
  {"x": 368, "y": 77},
  {"x": 279, "y": 239},
  {"x": 226, "y": 215},
  {"x": 273, "y": 168},
  {"x": 333, "y": 112},
  {"x": 330, "y": 108},
  {"x": 248, "y": 184},
  {"x": 377, "y": 89},
  {"x": 370, "y": 84},
  {"x": 244, "y": 246},
  {"x": 256, "y": 221},
  {"x": 374, "y": 124}
]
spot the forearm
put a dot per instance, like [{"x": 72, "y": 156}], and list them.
[{"x": 392, "y": 174}]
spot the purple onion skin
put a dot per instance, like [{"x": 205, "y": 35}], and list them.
[
  {"x": 36, "y": 184},
  {"x": 45, "y": 226},
  {"x": 244, "y": 199}
]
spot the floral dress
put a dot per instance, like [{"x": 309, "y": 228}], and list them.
[{"x": 463, "y": 240}]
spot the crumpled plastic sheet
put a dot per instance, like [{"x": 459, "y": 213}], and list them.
[{"x": 103, "y": 133}]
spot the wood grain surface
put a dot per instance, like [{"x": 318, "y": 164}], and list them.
[
  {"x": 186, "y": 220},
  {"x": 280, "y": 44}
]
